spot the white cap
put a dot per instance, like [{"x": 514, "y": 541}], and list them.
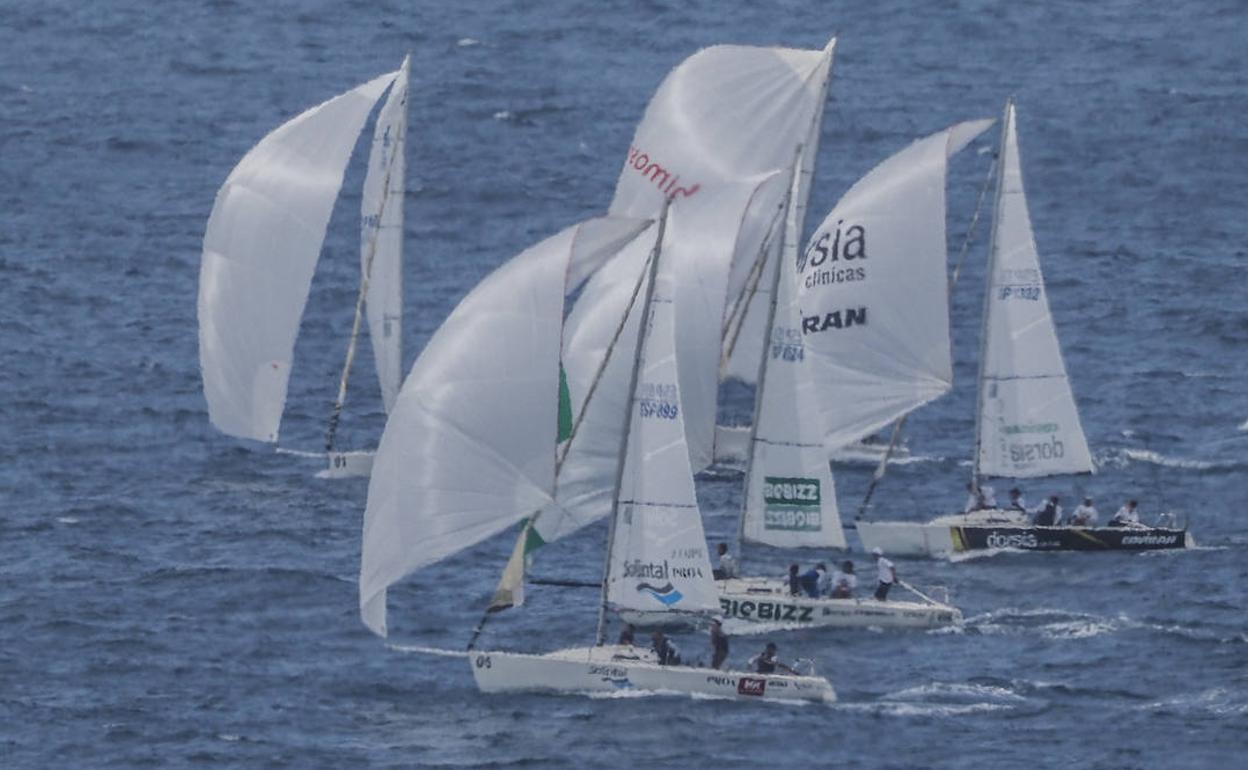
[{"x": 877, "y": 551}]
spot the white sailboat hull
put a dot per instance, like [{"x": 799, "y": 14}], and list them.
[
  {"x": 1000, "y": 530},
  {"x": 613, "y": 668},
  {"x": 345, "y": 465},
  {"x": 764, "y": 601}
]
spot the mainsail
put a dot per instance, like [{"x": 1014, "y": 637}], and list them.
[
  {"x": 872, "y": 292},
  {"x": 469, "y": 448},
  {"x": 261, "y": 246},
  {"x": 381, "y": 237},
  {"x": 1028, "y": 424},
  {"x": 658, "y": 553},
  {"x": 790, "y": 499}
]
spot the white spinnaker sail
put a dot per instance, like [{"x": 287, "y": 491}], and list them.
[
  {"x": 791, "y": 500},
  {"x": 470, "y": 446},
  {"x": 727, "y": 115},
  {"x": 873, "y": 292},
  {"x": 260, "y": 249},
  {"x": 658, "y": 557},
  {"x": 381, "y": 237},
  {"x": 1029, "y": 425}
]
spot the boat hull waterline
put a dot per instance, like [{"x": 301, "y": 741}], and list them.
[
  {"x": 956, "y": 534},
  {"x": 763, "y": 601},
  {"x": 614, "y": 668}
]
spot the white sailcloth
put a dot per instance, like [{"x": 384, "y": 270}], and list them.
[
  {"x": 1029, "y": 423},
  {"x": 381, "y": 237},
  {"x": 791, "y": 500},
  {"x": 728, "y": 115},
  {"x": 873, "y": 292},
  {"x": 470, "y": 446},
  {"x": 658, "y": 558},
  {"x": 260, "y": 249}
]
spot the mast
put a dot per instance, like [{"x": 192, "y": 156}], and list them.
[
  {"x": 628, "y": 416},
  {"x": 992, "y": 260},
  {"x": 786, "y": 239},
  {"x": 353, "y": 344}
]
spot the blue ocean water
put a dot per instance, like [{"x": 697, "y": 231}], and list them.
[{"x": 170, "y": 597}]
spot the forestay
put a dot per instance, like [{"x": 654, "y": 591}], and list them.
[
  {"x": 381, "y": 237},
  {"x": 658, "y": 556},
  {"x": 790, "y": 499},
  {"x": 872, "y": 292},
  {"x": 261, "y": 246},
  {"x": 728, "y": 116},
  {"x": 1029, "y": 425},
  {"x": 470, "y": 445}
]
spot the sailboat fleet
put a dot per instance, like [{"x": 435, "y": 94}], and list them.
[{"x": 579, "y": 380}]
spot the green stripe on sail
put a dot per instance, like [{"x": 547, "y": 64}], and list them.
[{"x": 565, "y": 407}]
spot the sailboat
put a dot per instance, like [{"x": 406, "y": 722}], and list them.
[
  {"x": 261, "y": 247},
  {"x": 480, "y": 417},
  {"x": 1027, "y": 424}
]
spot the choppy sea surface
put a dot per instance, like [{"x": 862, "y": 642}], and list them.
[{"x": 170, "y": 597}]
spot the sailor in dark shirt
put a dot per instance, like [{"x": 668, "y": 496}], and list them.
[
  {"x": 664, "y": 650},
  {"x": 795, "y": 581},
  {"x": 719, "y": 643},
  {"x": 765, "y": 662},
  {"x": 1050, "y": 514}
]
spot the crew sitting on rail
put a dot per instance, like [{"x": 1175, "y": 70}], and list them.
[
  {"x": 1126, "y": 516},
  {"x": 727, "y": 564},
  {"x": 979, "y": 498},
  {"x": 1016, "y": 501},
  {"x": 813, "y": 579},
  {"x": 844, "y": 582},
  {"x": 765, "y": 662},
  {"x": 1050, "y": 514},
  {"x": 664, "y": 650},
  {"x": 795, "y": 581},
  {"x": 1085, "y": 515}
]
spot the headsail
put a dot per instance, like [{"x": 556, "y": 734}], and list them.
[
  {"x": 470, "y": 446},
  {"x": 873, "y": 292},
  {"x": 381, "y": 237},
  {"x": 658, "y": 555},
  {"x": 260, "y": 249},
  {"x": 1028, "y": 423}
]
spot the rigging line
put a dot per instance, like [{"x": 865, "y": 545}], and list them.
[
  {"x": 957, "y": 271},
  {"x": 352, "y": 346}
]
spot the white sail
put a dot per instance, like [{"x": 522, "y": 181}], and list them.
[
  {"x": 873, "y": 292},
  {"x": 727, "y": 116},
  {"x": 790, "y": 499},
  {"x": 1028, "y": 422},
  {"x": 260, "y": 249},
  {"x": 470, "y": 446},
  {"x": 381, "y": 237},
  {"x": 658, "y": 557}
]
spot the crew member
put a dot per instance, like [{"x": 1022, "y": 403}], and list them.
[
  {"x": 1050, "y": 514},
  {"x": 664, "y": 650},
  {"x": 795, "y": 581},
  {"x": 887, "y": 574},
  {"x": 719, "y": 643},
  {"x": 979, "y": 498},
  {"x": 765, "y": 662},
  {"x": 626, "y": 635},
  {"x": 845, "y": 581},
  {"x": 727, "y": 563},
  {"x": 1126, "y": 516},
  {"x": 1016, "y": 501},
  {"x": 1085, "y": 514},
  {"x": 812, "y": 579}
]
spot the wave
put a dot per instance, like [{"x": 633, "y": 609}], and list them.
[
  {"x": 1058, "y": 624},
  {"x": 1121, "y": 458},
  {"x": 940, "y": 699},
  {"x": 1218, "y": 701}
]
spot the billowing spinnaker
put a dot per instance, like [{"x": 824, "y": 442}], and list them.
[
  {"x": 470, "y": 445},
  {"x": 381, "y": 237},
  {"x": 791, "y": 500},
  {"x": 728, "y": 116},
  {"x": 1029, "y": 423},
  {"x": 658, "y": 558},
  {"x": 260, "y": 249},
  {"x": 873, "y": 292}
]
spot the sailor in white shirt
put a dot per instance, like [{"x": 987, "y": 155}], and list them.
[
  {"x": 1085, "y": 515},
  {"x": 727, "y": 563},
  {"x": 1126, "y": 516},
  {"x": 844, "y": 582},
  {"x": 978, "y": 500},
  {"x": 887, "y": 574}
]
